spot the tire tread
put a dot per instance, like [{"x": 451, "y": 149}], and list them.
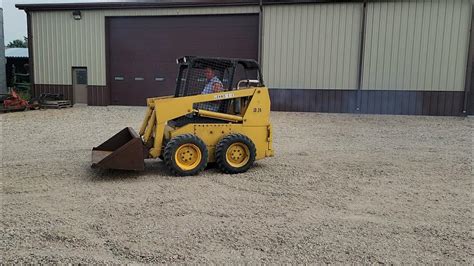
[
  {"x": 221, "y": 153},
  {"x": 172, "y": 146}
]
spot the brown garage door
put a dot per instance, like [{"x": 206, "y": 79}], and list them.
[{"x": 143, "y": 50}]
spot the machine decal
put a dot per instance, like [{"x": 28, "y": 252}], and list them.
[{"x": 224, "y": 96}]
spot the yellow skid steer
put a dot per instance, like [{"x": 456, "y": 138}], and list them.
[{"x": 220, "y": 113}]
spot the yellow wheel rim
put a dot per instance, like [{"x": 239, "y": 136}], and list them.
[
  {"x": 188, "y": 156},
  {"x": 237, "y": 155}
]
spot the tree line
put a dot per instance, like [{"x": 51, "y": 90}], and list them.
[{"x": 18, "y": 43}]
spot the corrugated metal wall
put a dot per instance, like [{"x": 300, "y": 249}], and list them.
[
  {"x": 417, "y": 45},
  {"x": 311, "y": 46},
  {"x": 60, "y": 42},
  {"x": 410, "y": 45}
]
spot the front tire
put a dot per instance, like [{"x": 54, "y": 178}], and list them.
[
  {"x": 185, "y": 155},
  {"x": 235, "y": 154}
]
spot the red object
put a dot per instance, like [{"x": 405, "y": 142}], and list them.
[{"x": 13, "y": 101}]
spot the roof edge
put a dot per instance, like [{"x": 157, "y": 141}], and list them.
[
  {"x": 132, "y": 5},
  {"x": 167, "y": 3}
]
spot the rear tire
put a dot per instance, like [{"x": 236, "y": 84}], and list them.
[
  {"x": 185, "y": 155},
  {"x": 235, "y": 154}
]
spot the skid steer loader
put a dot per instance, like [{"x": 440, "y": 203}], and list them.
[{"x": 230, "y": 127}]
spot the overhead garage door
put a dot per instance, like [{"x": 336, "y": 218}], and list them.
[{"x": 143, "y": 50}]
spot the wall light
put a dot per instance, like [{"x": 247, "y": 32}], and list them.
[{"x": 76, "y": 15}]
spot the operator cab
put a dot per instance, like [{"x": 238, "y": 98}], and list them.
[
  {"x": 234, "y": 73},
  {"x": 191, "y": 79}
]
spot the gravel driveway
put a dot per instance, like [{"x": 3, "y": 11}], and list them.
[{"x": 342, "y": 188}]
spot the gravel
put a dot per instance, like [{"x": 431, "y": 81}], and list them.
[{"x": 342, "y": 188}]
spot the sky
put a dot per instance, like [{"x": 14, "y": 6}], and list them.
[{"x": 14, "y": 20}]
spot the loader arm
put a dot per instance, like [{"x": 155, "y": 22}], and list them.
[{"x": 162, "y": 110}]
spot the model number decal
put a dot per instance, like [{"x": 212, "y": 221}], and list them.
[{"x": 224, "y": 96}]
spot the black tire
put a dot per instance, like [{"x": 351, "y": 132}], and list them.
[
  {"x": 185, "y": 142},
  {"x": 223, "y": 146}
]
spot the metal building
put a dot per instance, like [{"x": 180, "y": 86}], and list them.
[{"x": 388, "y": 57}]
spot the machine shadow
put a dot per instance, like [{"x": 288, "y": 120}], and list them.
[{"x": 152, "y": 168}]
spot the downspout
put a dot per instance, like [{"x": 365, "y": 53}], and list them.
[
  {"x": 469, "y": 70},
  {"x": 260, "y": 32},
  {"x": 361, "y": 57}
]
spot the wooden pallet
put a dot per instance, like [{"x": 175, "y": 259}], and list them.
[{"x": 56, "y": 104}]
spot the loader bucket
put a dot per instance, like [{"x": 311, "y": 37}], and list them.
[{"x": 123, "y": 151}]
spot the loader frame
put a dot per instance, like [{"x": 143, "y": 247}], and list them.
[{"x": 254, "y": 117}]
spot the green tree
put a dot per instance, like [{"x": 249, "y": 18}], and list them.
[{"x": 18, "y": 43}]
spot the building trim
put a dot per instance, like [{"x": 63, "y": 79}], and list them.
[
  {"x": 360, "y": 71},
  {"x": 98, "y": 95},
  {"x": 132, "y": 5},
  {"x": 316, "y": 100},
  {"x": 393, "y": 102},
  {"x": 107, "y": 60},
  {"x": 29, "y": 35},
  {"x": 468, "y": 93},
  {"x": 171, "y": 4},
  {"x": 63, "y": 89},
  {"x": 260, "y": 33}
]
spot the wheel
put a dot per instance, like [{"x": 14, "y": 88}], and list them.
[
  {"x": 235, "y": 154},
  {"x": 185, "y": 155}
]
